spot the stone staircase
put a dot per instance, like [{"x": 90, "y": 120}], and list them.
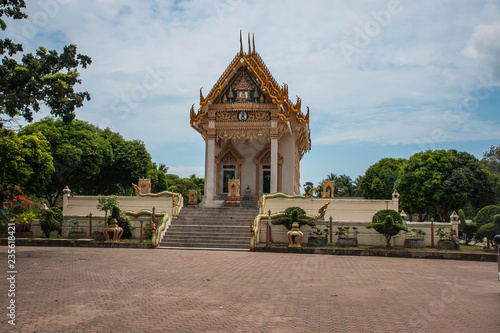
[{"x": 212, "y": 228}]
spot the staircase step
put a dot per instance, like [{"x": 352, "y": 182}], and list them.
[{"x": 211, "y": 228}]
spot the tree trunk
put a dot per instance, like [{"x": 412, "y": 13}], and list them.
[{"x": 388, "y": 241}]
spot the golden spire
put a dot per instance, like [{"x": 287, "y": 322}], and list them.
[
  {"x": 201, "y": 96},
  {"x": 241, "y": 45},
  {"x": 253, "y": 42},
  {"x": 249, "y": 48}
]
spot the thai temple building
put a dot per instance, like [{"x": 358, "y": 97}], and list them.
[{"x": 253, "y": 132}]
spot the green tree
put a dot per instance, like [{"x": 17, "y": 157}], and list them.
[
  {"x": 491, "y": 159},
  {"x": 307, "y": 187},
  {"x": 130, "y": 161},
  {"x": 158, "y": 180},
  {"x": 341, "y": 181},
  {"x": 468, "y": 229},
  {"x": 106, "y": 203},
  {"x": 379, "y": 179},
  {"x": 25, "y": 161},
  {"x": 79, "y": 155},
  {"x": 388, "y": 228},
  {"x": 438, "y": 182},
  {"x": 44, "y": 78}
]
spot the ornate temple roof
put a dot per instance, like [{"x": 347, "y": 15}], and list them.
[{"x": 262, "y": 77}]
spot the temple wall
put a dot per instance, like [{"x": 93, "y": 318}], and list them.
[
  {"x": 287, "y": 150},
  {"x": 341, "y": 210},
  {"x": 365, "y": 236},
  {"x": 79, "y": 207}
]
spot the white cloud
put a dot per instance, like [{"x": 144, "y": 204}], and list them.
[{"x": 395, "y": 88}]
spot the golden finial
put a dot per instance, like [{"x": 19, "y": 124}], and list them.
[
  {"x": 253, "y": 42},
  {"x": 307, "y": 114},
  {"x": 201, "y": 96},
  {"x": 241, "y": 45},
  {"x": 249, "y": 48}
]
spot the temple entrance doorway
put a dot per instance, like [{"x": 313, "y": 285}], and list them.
[
  {"x": 266, "y": 179},
  {"x": 228, "y": 173}
]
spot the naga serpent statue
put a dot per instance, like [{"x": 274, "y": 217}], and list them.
[
  {"x": 254, "y": 227},
  {"x": 176, "y": 203}
]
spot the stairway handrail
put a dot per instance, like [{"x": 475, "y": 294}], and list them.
[
  {"x": 176, "y": 206},
  {"x": 264, "y": 197},
  {"x": 254, "y": 228},
  {"x": 157, "y": 235}
]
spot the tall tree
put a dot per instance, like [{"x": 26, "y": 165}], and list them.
[
  {"x": 44, "y": 78},
  {"x": 439, "y": 181},
  {"x": 79, "y": 154},
  {"x": 379, "y": 179},
  {"x": 131, "y": 160},
  {"x": 491, "y": 160},
  {"x": 25, "y": 161}
]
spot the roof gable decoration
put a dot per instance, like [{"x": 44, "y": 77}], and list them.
[
  {"x": 242, "y": 89},
  {"x": 229, "y": 155},
  {"x": 264, "y": 156},
  {"x": 264, "y": 79}
]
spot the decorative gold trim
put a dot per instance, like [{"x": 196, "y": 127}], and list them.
[
  {"x": 286, "y": 196},
  {"x": 156, "y": 234},
  {"x": 254, "y": 227},
  {"x": 328, "y": 185},
  {"x": 175, "y": 205},
  {"x": 229, "y": 149}
]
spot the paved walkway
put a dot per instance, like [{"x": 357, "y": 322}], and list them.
[{"x": 142, "y": 290}]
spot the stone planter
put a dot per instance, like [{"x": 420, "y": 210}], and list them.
[
  {"x": 347, "y": 242},
  {"x": 98, "y": 235},
  {"x": 77, "y": 234},
  {"x": 414, "y": 243},
  {"x": 317, "y": 241},
  {"x": 25, "y": 234},
  {"x": 448, "y": 245}
]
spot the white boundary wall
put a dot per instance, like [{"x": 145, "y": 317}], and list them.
[{"x": 345, "y": 213}]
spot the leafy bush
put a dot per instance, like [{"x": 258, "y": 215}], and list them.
[
  {"x": 489, "y": 230},
  {"x": 49, "y": 223},
  {"x": 485, "y": 215},
  {"x": 389, "y": 228},
  {"x": 123, "y": 222},
  {"x": 380, "y": 216},
  {"x": 293, "y": 214}
]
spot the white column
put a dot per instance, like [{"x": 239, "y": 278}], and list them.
[
  {"x": 274, "y": 165},
  {"x": 210, "y": 170}
]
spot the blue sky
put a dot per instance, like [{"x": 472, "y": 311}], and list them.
[{"x": 381, "y": 78}]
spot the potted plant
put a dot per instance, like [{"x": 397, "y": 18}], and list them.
[
  {"x": 447, "y": 240},
  {"x": 318, "y": 237},
  {"x": 415, "y": 239},
  {"x": 76, "y": 230},
  {"x": 297, "y": 216},
  {"x": 388, "y": 228},
  {"x": 345, "y": 238}
]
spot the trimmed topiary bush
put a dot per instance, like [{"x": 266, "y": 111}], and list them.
[
  {"x": 380, "y": 216},
  {"x": 485, "y": 215},
  {"x": 123, "y": 222},
  {"x": 48, "y": 222},
  {"x": 489, "y": 230},
  {"x": 389, "y": 228},
  {"x": 293, "y": 214}
]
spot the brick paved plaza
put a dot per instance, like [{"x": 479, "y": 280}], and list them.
[{"x": 142, "y": 290}]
